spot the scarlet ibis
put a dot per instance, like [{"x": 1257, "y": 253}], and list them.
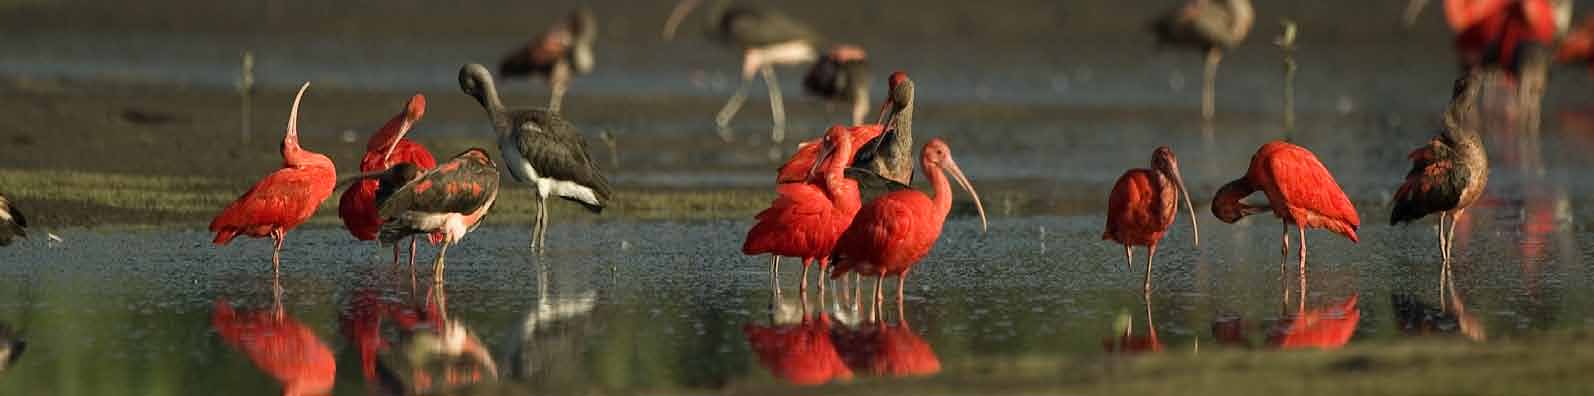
[
  {"x": 882, "y": 150},
  {"x": 281, "y": 346},
  {"x": 282, "y": 200},
  {"x": 449, "y": 201},
  {"x": 1327, "y": 327},
  {"x": 1299, "y": 190},
  {"x": 557, "y": 54},
  {"x": 765, "y": 37},
  {"x": 1143, "y": 204},
  {"x": 357, "y": 205},
  {"x": 539, "y": 147},
  {"x": 11, "y": 346},
  {"x": 1490, "y": 32},
  {"x": 12, "y": 223},
  {"x": 841, "y": 75},
  {"x": 1578, "y": 45},
  {"x": 892, "y": 233},
  {"x": 1448, "y": 174},
  {"x": 886, "y": 349},
  {"x": 1209, "y": 26},
  {"x": 806, "y": 218}
]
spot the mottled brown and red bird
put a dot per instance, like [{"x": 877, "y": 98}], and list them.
[
  {"x": 12, "y": 223},
  {"x": 841, "y": 75},
  {"x": 1494, "y": 32},
  {"x": 557, "y": 54},
  {"x": 1300, "y": 191},
  {"x": 806, "y": 218},
  {"x": 800, "y": 353},
  {"x": 283, "y": 199},
  {"x": 446, "y": 202},
  {"x": 1449, "y": 173},
  {"x": 1143, "y": 204},
  {"x": 765, "y": 37},
  {"x": 1208, "y": 26},
  {"x": 894, "y": 232},
  {"x": 281, "y": 346},
  {"x": 357, "y": 205}
]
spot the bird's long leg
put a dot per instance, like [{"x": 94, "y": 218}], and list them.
[
  {"x": 723, "y": 119},
  {"x": 802, "y": 287},
  {"x": 437, "y": 267},
  {"x": 412, "y": 256},
  {"x": 1284, "y": 259},
  {"x": 1302, "y": 299},
  {"x": 396, "y": 252},
  {"x": 857, "y": 292},
  {"x": 824, "y": 275},
  {"x": 879, "y": 295},
  {"x": 1151, "y": 253},
  {"x": 1444, "y": 258},
  {"x": 542, "y": 227},
  {"x": 774, "y": 271},
  {"x": 902, "y": 282},
  {"x": 777, "y": 107},
  {"x": 1214, "y": 55},
  {"x": 1450, "y": 236},
  {"x": 558, "y": 81},
  {"x": 1129, "y": 258},
  {"x": 277, "y": 235}
]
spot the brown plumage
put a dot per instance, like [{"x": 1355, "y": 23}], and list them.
[
  {"x": 1448, "y": 174},
  {"x": 557, "y": 54}
]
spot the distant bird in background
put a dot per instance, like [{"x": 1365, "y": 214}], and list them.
[
  {"x": 1449, "y": 173},
  {"x": 884, "y": 153},
  {"x": 446, "y": 202},
  {"x": 283, "y": 199},
  {"x": 841, "y": 75},
  {"x": 1210, "y": 25},
  {"x": 557, "y": 54},
  {"x": 12, "y": 224},
  {"x": 539, "y": 147},
  {"x": 387, "y": 147},
  {"x": 765, "y": 37},
  {"x": 1143, "y": 204},
  {"x": 1300, "y": 191},
  {"x": 1494, "y": 33},
  {"x": 1578, "y": 45}
]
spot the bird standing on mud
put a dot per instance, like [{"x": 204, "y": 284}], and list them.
[
  {"x": 1300, "y": 191},
  {"x": 558, "y": 54},
  {"x": 387, "y": 147},
  {"x": 1143, "y": 204},
  {"x": 282, "y": 200},
  {"x": 539, "y": 147},
  {"x": 1449, "y": 173},
  {"x": 12, "y": 224},
  {"x": 766, "y": 38},
  {"x": 1209, "y": 26},
  {"x": 446, "y": 202}
]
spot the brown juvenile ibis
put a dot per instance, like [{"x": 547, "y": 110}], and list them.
[
  {"x": 12, "y": 224},
  {"x": 1449, "y": 173},
  {"x": 1210, "y": 25},
  {"x": 446, "y": 202},
  {"x": 765, "y": 37},
  {"x": 539, "y": 147},
  {"x": 557, "y": 54}
]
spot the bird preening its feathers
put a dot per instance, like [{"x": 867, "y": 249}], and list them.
[{"x": 1449, "y": 171}]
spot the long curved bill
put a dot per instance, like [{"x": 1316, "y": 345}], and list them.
[
  {"x": 825, "y": 151},
  {"x": 404, "y": 128},
  {"x": 681, "y": 9},
  {"x": 293, "y": 115},
  {"x": 1195, "y": 228},
  {"x": 957, "y": 174}
]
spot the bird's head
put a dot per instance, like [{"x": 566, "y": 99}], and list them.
[
  {"x": 476, "y": 81},
  {"x": 1164, "y": 162},
  {"x": 290, "y": 139},
  {"x": 1227, "y": 205},
  {"x": 937, "y": 155}
]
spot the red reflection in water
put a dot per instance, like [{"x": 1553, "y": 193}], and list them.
[
  {"x": 279, "y": 345},
  {"x": 801, "y": 354},
  {"x": 1126, "y": 341},
  {"x": 361, "y": 324},
  {"x": 1328, "y": 327},
  {"x": 886, "y": 350}
]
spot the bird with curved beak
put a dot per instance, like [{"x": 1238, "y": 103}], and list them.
[{"x": 1143, "y": 203}]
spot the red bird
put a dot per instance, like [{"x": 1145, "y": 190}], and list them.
[
  {"x": 279, "y": 345},
  {"x": 1578, "y": 45},
  {"x": 1299, "y": 190},
  {"x": 891, "y": 350},
  {"x": 1490, "y": 32},
  {"x": 1327, "y": 327},
  {"x": 357, "y": 206},
  {"x": 895, "y": 115},
  {"x": 893, "y": 232},
  {"x": 802, "y": 354},
  {"x": 1142, "y": 206},
  {"x": 806, "y": 218},
  {"x": 282, "y": 200}
]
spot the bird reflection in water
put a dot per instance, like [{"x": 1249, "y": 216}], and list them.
[
  {"x": 552, "y": 336},
  {"x": 1325, "y": 327},
  {"x": 885, "y": 349},
  {"x": 278, "y": 344},
  {"x": 11, "y": 346},
  {"x": 1125, "y": 341},
  {"x": 797, "y": 348},
  {"x": 436, "y": 353},
  {"x": 1413, "y": 317}
]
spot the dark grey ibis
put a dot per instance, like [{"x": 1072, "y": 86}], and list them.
[
  {"x": 445, "y": 202},
  {"x": 1448, "y": 174},
  {"x": 842, "y": 75},
  {"x": 541, "y": 148},
  {"x": 559, "y": 53},
  {"x": 890, "y": 156},
  {"x": 766, "y": 38},
  {"x": 12, "y": 224},
  {"x": 1210, "y": 25},
  {"x": 11, "y": 346}
]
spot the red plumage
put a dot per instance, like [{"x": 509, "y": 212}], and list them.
[
  {"x": 892, "y": 350},
  {"x": 1300, "y": 190},
  {"x": 357, "y": 205},
  {"x": 893, "y": 232},
  {"x": 1490, "y": 32},
  {"x": 801, "y": 354},
  {"x": 285, "y": 198},
  {"x": 1140, "y": 209},
  {"x": 279, "y": 345},
  {"x": 797, "y": 168},
  {"x": 1578, "y": 45},
  {"x": 807, "y": 218}
]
